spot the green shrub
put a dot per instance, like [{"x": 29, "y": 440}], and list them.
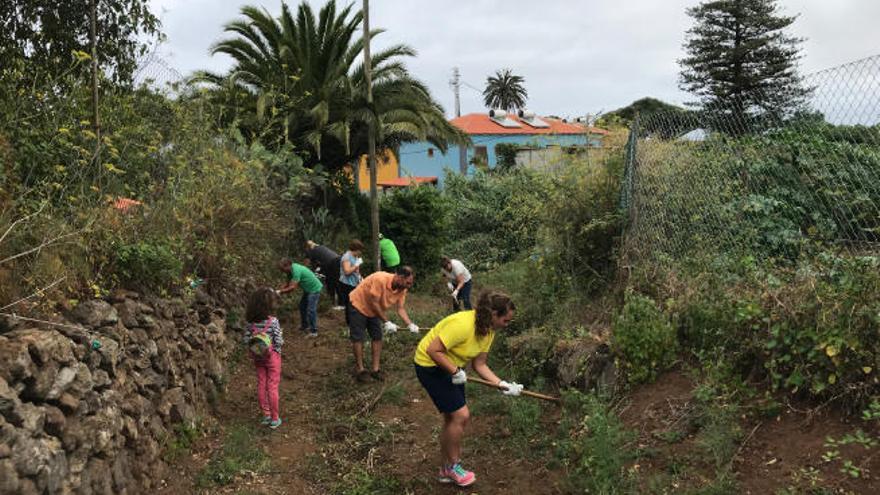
[
  {"x": 495, "y": 216},
  {"x": 146, "y": 264},
  {"x": 505, "y": 154},
  {"x": 643, "y": 338},
  {"x": 527, "y": 284},
  {"x": 416, "y": 219},
  {"x": 592, "y": 446},
  {"x": 580, "y": 222},
  {"x": 808, "y": 329},
  {"x": 822, "y": 333}
]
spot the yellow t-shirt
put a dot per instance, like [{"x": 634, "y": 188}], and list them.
[{"x": 458, "y": 334}]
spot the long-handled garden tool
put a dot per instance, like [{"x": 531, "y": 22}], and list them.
[{"x": 524, "y": 392}]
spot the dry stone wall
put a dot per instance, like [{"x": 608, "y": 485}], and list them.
[{"x": 86, "y": 408}]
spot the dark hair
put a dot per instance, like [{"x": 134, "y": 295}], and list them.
[
  {"x": 260, "y": 305},
  {"x": 445, "y": 261},
  {"x": 491, "y": 302},
  {"x": 404, "y": 271},
  {"x": 356, "y": 245},
  {"x": 284, "y": 264}
]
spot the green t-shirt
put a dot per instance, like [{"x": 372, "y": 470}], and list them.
[
  {"x": 390, "y": 256},
  {"x": 305, "y": 278}
]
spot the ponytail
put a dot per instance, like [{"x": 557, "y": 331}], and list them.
[{"x": 491, "y": 302}]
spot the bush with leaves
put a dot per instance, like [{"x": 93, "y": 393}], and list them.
[
  {"x": 580, "y": 223},
  {"x": 495, "y": 215},
  {"x": 594, "y": 446},
  {"x": 147, "y": 264},
  {"x": 209, "y": 202},
  {"x": 643, "y": 338},
  {"x": 417, "y": 220}
]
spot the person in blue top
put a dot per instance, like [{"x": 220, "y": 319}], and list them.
[
  {"x": 300, "y": 276},
  {"x": 350, "y": 272}
]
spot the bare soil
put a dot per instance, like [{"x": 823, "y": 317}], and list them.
[
  {"x": 782, "y": 451},
  {"x": 326, "y": 413},
  {"x": 318, "y": 370}
]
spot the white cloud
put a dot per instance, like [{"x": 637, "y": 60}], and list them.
[{"x": 576, "y": 56}]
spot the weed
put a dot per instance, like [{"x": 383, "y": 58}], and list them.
[
  {"x": 720, "y": 434},
  {"x": 872, "y": 413},
  {"x": 644, "y": 338},
  {"x": 361, "y": 482},
  {"x": 671, "y": 436},
  {"x": 185, "y": 434},
  {"x": 486, "y": 401},
  {"x": 594, "y": 446},
  {"x": 524, "y": 421},
  {"x": 723, "y": 484},
  {"x": 240, "y": 453},
  {"x": 395, "y": 394}
]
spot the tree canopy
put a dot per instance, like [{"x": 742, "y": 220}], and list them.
[
  {"x": 656, "y": 117},
  {"x": 505, "y": 90},
  {"x": 740, "y": 62},
  {"x": 45, "y": 33},
  {"x": 299, "y": 79}
]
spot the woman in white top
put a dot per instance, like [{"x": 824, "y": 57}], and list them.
[{"x": 458, "y": 281}]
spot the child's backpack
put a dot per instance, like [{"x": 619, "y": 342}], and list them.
[{"x": 260, "y": 343}]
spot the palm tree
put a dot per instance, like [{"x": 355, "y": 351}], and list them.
[
  {"x": 307, "y": 87},
  {"x": 505, "y": 90}
]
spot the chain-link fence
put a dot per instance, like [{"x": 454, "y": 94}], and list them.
[
  {"x": 752, "y": 179},
  {"x": 154, "y": 71}
]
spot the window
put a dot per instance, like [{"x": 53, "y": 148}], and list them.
[
  {"x": 481, "y": 153},
  {"x": 430, "y": 152}
]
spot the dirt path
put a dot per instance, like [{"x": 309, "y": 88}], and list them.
[{"x": 340, "y": 436}]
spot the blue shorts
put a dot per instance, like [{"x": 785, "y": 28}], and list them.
[{"x": 438, "y": 383}]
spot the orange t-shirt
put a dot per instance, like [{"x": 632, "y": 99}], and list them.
[{"x": 377, "y": 289}]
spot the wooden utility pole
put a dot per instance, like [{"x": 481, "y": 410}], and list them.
[
  {"x": 93, "y": 40},
  {"x": 371, "y": 138}
]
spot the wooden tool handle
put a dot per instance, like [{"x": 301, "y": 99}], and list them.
[{"x": 524, "y": 392}]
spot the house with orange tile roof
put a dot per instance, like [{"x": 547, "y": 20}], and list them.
[{"x": 487, "y": 130}]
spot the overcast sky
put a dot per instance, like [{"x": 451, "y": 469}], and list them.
[{"x": 577, "y": 56}]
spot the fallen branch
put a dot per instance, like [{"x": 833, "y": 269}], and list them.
[
  {"x": 22, "y": 219},
  {"x": 44, "y": 322},
  {"x": 41, "y": 246},
  {"x": 373, "y": 402},
  {"x": 743, "y": 444},
  {"x": 35, "y": 294},
  {"x": 524, "y": 392}
]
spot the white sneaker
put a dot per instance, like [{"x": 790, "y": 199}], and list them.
[{"x": 338, "y": 308}]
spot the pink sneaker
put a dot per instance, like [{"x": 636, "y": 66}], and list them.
[{"x": 456, "y": 474}]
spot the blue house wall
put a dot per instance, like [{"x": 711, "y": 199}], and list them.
[{"x": 416, "y": 158}]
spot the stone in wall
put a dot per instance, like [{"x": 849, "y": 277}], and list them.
[{"x": 86, "y": 408}]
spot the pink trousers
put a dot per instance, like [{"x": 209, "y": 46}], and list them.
[{"x": 268, "y": 378}]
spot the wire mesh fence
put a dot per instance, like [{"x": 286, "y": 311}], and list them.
[{"x": 745, "y": 177}]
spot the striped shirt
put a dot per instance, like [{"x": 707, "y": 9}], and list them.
[{"x": 274, "y": 332}]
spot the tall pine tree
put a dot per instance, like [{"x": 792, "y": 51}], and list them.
[{"x": 740, "y": 62}]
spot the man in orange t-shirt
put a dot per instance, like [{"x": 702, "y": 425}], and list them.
[{"x": 366, "y": 315}]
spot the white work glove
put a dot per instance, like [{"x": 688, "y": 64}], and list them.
[
  {"x": 459, "y": 377},
  {"x": 389, "y": 327},
  {"x": 455, "y": 294},
  {"x": 450, "y": 286},
  {"x": 413, "y": 328},
  {"x": 277, "y": 292},
  {"x": 513, "y": 388}
]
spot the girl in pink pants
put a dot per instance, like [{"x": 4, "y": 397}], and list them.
[{"x": 264, "y": 329}]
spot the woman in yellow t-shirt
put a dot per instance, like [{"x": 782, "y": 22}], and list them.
[{"x": 440, "y": 359}]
